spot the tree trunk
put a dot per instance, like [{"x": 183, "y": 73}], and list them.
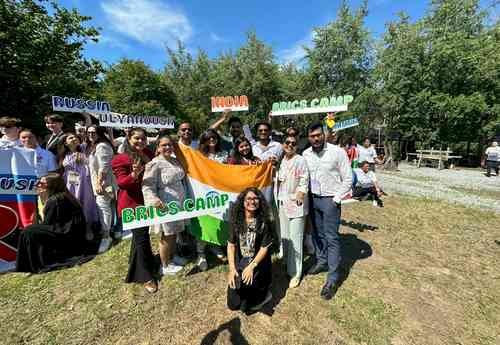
[{"x": 390, "y": 163}]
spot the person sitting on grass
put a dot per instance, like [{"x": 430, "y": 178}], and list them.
[
  {"x": 367, "y": 185},
  {"x": 60, "y": 234},
  {"x": 248, "y": 250}
]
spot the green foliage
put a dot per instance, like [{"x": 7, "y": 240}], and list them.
[
  {"x": 41, "y": 56},
  {"x": 133, "y": 88}
]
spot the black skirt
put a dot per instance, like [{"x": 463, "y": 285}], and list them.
[{"x": 40, "y": 249}]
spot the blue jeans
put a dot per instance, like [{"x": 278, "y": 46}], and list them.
[{"x": 326, "y": 221}]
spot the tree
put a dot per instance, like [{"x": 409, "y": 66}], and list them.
[
  {"x": 341, "y": 59},
  {"x": 133, "y": 88},
  {"x": 41, "y": 56}
]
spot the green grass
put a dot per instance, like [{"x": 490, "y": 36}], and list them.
[{"x": 432, "y": 278}]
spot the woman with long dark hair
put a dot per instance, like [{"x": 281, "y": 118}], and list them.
[
  {"x": 60, "y": 234},
  {"x": 248, "y": 251},
  {"x": 100, "y": 153},
  {"x": 128, "y": 168},
  {"x": 75, "y": 165},
  {"x": 210, "y": 146},
  {"x": 242, "y": 153}
]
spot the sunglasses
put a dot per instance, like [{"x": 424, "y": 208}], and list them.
[
  {"x": 291, "y": 143},
  {"x": 186, "y": 130},
  {"x": 263, "y": 130}
]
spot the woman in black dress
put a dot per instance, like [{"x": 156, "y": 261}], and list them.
[
  {"x": 248, "y": 251},
  {"x": 61, "y": 233}
]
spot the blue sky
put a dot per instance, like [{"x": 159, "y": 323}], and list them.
[{"x": 140, "y": 29}]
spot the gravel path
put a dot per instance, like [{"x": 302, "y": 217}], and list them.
[{"x": 466, "y": 187}]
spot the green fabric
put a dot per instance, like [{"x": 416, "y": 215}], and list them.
[{"x": 210, "y": 229}]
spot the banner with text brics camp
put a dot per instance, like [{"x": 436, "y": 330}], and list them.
[{"x": 212, "y": 188}]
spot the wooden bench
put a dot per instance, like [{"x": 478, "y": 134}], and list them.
[{"x": 443, "y": 158}]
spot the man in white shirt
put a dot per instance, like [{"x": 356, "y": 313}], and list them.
[
  {"x": 367, "y": 184},
  {"x": 9, "y": 128},
  {"x": 367, "y": 153},
  {"x": 330, "y": 179},
  {"x": 265, "y": 148},
  {"x": 492, "y": 158},
  {"x": 45, "y": 161}
]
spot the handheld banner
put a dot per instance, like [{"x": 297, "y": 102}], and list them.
[
  {"x": 122, "y": 120},
  {"x": 213, "y": 188},
  {"x": 346, "y": 124},
  {"x": 78, "y": 105},
  {"x": 17, "y": 197},
  {"x": 317, "y": 105},
  {"x": 233, "y": 103}
]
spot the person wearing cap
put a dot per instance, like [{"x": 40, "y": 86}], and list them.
[{"x": 9, "y": 128}]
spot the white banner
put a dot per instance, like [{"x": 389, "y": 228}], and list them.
[
  {"x": 78, "y": 105},
  {"x": 330, "y": 104},
  {"x": 122, "y": 120}
]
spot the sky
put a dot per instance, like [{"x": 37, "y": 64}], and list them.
[{"x": 141, "y": 29}]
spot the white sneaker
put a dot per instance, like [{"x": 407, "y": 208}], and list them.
[
  {"x": 269, "y": 296},
  {"x": 179, "y": 260},
  {"x": 374, "y": 203},
  {"x": 294, "y": 282},
  {"x": 104, "y": 245},
  {"x": 202, "y": 263},
  {"x": 171, "y": 269},
  {"x": 217, "y": 252}
]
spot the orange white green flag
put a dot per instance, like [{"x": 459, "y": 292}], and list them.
[{"x": 212, "y": 188}]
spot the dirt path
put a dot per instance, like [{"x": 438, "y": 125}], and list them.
[{"x": 466, "y": 187}]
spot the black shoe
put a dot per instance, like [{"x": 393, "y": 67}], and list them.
[
  {"x": 380, "y": 203},
  {"x": 317, "y": 268},
  {"x": 328, "y": 291}
]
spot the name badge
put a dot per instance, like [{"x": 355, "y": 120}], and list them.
[{"x": 73, "y": 178}]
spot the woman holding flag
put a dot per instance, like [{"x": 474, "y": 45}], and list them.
[{"x": 163, "y": 183}]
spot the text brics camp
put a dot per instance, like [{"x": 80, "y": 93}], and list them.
[
  {"x": 323, "y": 102},
  {"x": 174, "y": 207}
]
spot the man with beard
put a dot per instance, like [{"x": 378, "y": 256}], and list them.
[{"x": 331, "y": 180}]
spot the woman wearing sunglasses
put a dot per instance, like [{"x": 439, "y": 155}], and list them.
[
  {"x": 292, "y": 188},
  {"x": 210, "y": 146}
]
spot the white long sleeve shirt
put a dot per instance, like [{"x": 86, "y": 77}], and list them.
[{"x": 330, "y": 171}]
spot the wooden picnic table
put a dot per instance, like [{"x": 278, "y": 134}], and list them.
[{"x": 442, "y": 157}]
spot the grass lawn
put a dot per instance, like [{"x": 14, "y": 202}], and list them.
[{"x": 421, "y": 272}]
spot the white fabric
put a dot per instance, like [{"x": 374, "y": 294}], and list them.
[
  {"x": 293, "y": 177},
  {"x": 365, "y": 180},
  {"x": 100, "y": 163},
  {"x": 330, "y": 171},
  {"x": 273, "y": 149},
  {"x": 367, "y": 154},
  {"x": 6, "y": 142},
  {"x": 493, "y": 153},
  {"x": 45, "y": 162}
]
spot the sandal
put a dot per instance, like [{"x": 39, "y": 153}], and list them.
[{"x": 151, "y": 286}]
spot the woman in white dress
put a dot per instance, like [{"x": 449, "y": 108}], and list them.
[{"x": 163, "y": 183}]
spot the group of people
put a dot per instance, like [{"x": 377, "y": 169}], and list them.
[{"x": 87, "y": 177}]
